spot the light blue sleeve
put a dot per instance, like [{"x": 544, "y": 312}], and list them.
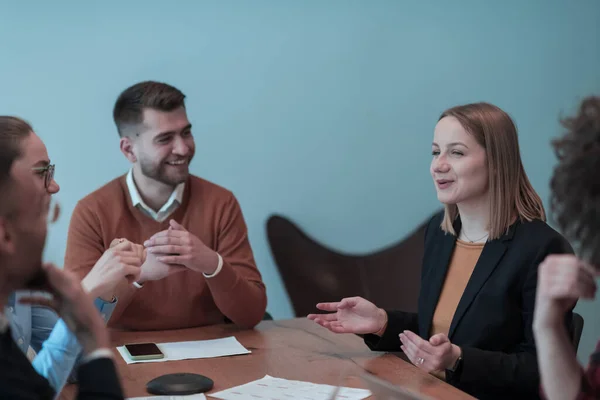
[
  {"x": 105, "y": 308},
  {"x": 59, "y": 347},
  {"x": 58, "y": 352}
]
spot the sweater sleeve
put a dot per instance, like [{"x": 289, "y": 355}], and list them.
[
  {"x": 85, "y": 246},
  {"x": 238, "y": 290},
  {"x": 84, "y": 241},
  {"x": 398, "y": 321}
]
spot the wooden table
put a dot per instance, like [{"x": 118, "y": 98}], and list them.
[{"x": 295, "y": 349}]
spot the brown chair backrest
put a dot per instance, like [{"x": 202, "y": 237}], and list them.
[{"x": 313, "y": 273}]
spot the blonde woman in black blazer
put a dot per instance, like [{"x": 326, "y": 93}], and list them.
[{"x": 479, "y": 273}]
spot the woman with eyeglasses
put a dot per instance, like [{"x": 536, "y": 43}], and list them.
[{"x": 37, "y": 331}]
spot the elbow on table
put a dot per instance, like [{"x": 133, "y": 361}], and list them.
[{"x": 252, "y": 317}]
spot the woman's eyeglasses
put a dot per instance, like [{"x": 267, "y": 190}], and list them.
[{"x": 48, "y": 172}]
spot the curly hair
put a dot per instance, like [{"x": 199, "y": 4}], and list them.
[{"x": 575, "y": 185}]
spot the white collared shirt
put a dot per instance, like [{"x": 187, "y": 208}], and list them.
[{"x": 165, "y": 211}]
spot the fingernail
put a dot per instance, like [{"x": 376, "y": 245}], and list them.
[{"x": 147, "y": 243}]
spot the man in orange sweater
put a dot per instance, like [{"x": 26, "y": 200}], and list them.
[{"x": 199, "y": 269}]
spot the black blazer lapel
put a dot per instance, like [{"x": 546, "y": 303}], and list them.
[
  {"x": 488, "y": 261},
  {"x": 438, "y": 267}
]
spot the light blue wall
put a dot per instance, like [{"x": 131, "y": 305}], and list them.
[{"x": 320, "y": 110}]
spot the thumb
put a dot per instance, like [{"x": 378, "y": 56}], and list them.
[
  {"x": 120, "y": 244},
  {"x": 347, "y": 303},
  {"x": 175, "y": 225},
  {"x": 438, "y": 339},
  {"x": 124, "y": 245}
]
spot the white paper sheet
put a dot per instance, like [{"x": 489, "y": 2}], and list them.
[
  {"x": 276, "y": 388},
  {"x": 228, "y": 346},
  {"x": 198, "y": 396}
]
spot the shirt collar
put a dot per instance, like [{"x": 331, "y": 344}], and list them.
[{"x": 136, "y": 199}]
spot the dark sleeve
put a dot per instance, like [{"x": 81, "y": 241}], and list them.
[
  {"x": 18, "y": 379},
  {"x": 511, "y": 373},
  {"x": 98, "y": 380},
  {"x": 398, "y": 321}
]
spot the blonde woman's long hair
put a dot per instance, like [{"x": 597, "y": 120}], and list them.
[{"x": 511, "y": 193}]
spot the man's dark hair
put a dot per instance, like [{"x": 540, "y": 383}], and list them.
[
  {"x": 576, "y": 181},
  {"x": 129, "y": 107},
  {"x": 12, "y": 132}
]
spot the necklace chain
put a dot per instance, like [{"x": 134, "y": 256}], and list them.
[{"x": 473, "y": 241}]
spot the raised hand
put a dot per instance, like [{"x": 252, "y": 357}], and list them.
[
  {"x": 562, "y": 279},
  {"x": 119, "y": 263},
  {"x": 351, "y": 315}
]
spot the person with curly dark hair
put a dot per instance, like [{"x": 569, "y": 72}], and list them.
[{"x": 565, "y": 278}]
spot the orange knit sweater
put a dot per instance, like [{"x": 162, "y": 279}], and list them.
[{"x": 185, "y": 299}]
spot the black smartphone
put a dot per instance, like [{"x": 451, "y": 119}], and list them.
[{"x": 144, "y": 351}]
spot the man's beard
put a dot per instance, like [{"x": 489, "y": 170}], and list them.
[{"x": 158, "y": 173}]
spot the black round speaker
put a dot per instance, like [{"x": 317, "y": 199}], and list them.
[{"x": 179, "y": 384}]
